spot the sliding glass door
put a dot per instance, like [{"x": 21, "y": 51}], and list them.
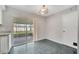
[{"x": 22, "y": 34}]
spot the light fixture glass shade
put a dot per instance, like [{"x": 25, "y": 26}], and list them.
[{"x": 44, "y": 9}]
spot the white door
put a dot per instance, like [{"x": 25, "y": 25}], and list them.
[{"x": 70, "y": 26}]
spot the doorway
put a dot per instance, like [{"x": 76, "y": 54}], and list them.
[{"x": 22, "y": 34}]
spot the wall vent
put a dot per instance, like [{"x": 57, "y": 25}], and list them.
[{"x": 74, "y": 43}]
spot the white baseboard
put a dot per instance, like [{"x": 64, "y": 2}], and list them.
[
  {"x": 62, "y": 43},
  {"x": 56, "y": 42}
]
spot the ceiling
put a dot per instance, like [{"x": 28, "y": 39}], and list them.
[{"x": 34, "y": 9}]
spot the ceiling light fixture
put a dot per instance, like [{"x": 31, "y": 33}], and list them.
[{"x": 44, "y": 9}]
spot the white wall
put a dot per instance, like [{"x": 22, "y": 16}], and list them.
[
  {"x": 70, "y": 26},
  {"x": 55, "y": 27},
  {"x": 41, "y": 28},
  {"x": 78, "y": 30},
  {"x": 0, "y": 16}
]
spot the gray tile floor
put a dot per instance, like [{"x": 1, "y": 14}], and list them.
[{"x": 42, "y": 47}]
